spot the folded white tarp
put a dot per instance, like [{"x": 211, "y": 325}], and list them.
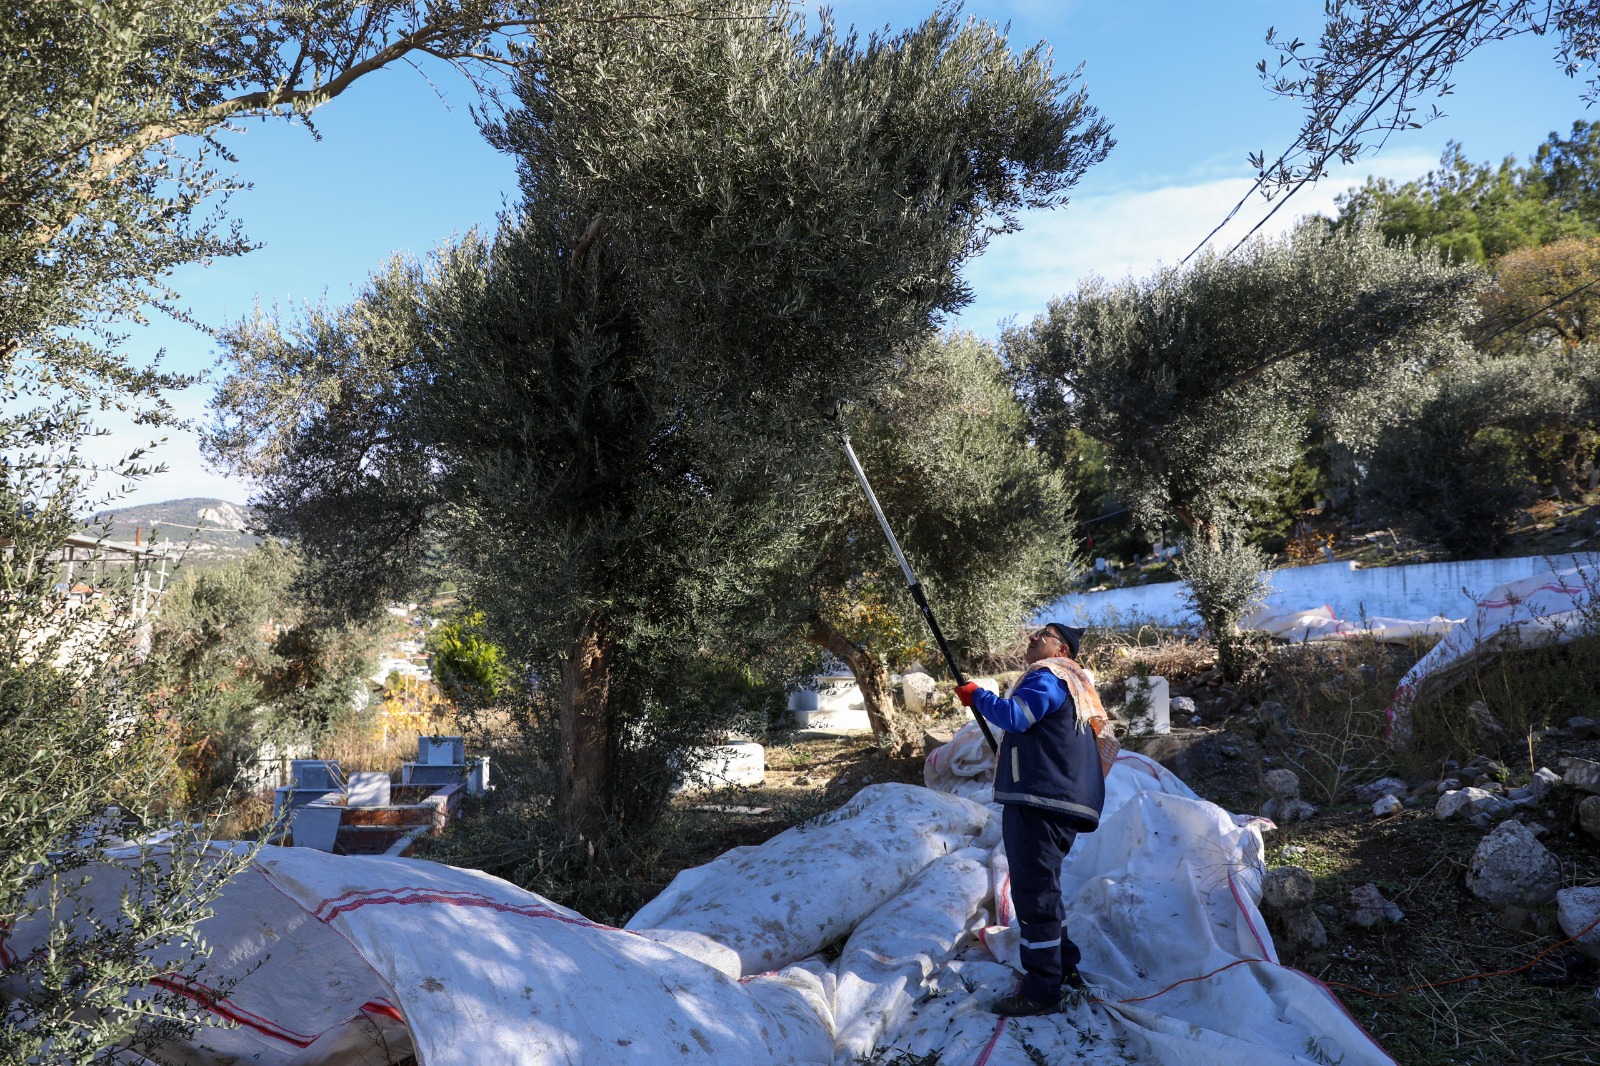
[
  {"x": 324, "y": 959},
  {"x": 811, "y": 885},
  {"x": 1552, "y": 607},
  {"x": 1322, "y": 624},
  {"x": 886, "y": 924}
]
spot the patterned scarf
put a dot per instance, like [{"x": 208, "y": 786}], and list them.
[{"x": 1087, "y": 701}]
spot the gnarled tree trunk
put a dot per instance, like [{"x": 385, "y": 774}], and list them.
[
  {"x": 585, "y": 758},
  {"x": 872, "y": 677}
]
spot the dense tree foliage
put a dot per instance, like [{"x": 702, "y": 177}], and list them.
[
  {"x": 1478, "y": 211},
  {"x": 1198, "y": 380},
  {"x": 985, "y": 523},
  {"x": 112, "y": 174},
  {"x": 1476, "y": 441},
  {"x": 465, "y": 662},
  {"x": 611, "y": 413},
  {"x": 243, "y": 660}
]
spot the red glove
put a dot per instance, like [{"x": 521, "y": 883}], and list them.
[{"x": 964, "y": 693}]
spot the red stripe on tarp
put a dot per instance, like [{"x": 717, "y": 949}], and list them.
[
  {"x": 989, "y": 1049},
  {"x": 1244, "y": 912},
  {"x": 384, "y": 1009},
  {"x": 409, "y": 896},
  {"x": 217, "y": 1004},
  {"x": 1141, "y": 761},
  {"x": 1496, "y": 605}
]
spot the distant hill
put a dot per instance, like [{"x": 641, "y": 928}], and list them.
[{"x": 208, "y": 531}]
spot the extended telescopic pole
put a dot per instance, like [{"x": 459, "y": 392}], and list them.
[{"x": 911, "y": 579}]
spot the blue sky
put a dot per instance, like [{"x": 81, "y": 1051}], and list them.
[{"x": 400, "y": 168}]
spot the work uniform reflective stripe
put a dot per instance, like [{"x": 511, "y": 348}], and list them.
[
  {"x": 1039, "y": 945},
  {"x": 1047, "y": 802}
]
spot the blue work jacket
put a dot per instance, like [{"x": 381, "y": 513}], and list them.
[{"x": 1047, "y": 760}]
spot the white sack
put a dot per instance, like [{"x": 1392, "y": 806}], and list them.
[
  {"x": 810, "y": 885},
  {"x": 964, "y": 765},
  {"x": 1322, "y": 624},
  {"x": 357, "y": 960},
  {"x": 884, "y": 963},
  {"x": 1162, "y": 900},
  {"x": 1546, "y": 608}
]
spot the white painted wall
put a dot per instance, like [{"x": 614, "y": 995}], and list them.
[{"x": 1418, "y": 591}]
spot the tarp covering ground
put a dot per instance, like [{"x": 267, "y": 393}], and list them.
[{"x": 883, "y": 927}]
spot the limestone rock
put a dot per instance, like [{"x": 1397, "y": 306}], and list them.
[
  {"x": 1384, "y": 786},
  {"x": 1511, "y": 868},
  {"x": 1576, "y": 909},
  {"x": 916, "y": 688},
  {"x": 1480, "y": 806},
  {"x": 1387, "y": 805},
  {"x": 1543, "y": 780},
  {"x": 1589, "y": 815},
  {"x": 1368, "y": 907},
  {"x": 1582, "y": 728},
  {"x": 1581, "y": 774},
  {"x": 1287, "y": 893},
  {"x": 1287, "y": 888},
  {"x": 1181, "y": 705},
  {"x": 1284, "y": 804}
]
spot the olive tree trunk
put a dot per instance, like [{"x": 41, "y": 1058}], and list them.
[
  {"x": 872, "y": 677},
  {"x": 585, "y": 757}
]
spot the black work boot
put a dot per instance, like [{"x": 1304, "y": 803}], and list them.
[{"x": 1018, "y": 1005}]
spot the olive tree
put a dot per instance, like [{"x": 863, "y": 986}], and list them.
[
  {"x": 1198, "y": 379},
  {"x": 986, "y": 523},
  {"x": 608, "y": 417}
]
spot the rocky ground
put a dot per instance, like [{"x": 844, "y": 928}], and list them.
[{"x": 1442, "y": 936}]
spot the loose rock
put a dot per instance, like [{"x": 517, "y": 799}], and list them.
[
  {"x": 1181, "y": 705},
  {"x": 1284, "y": 804},
  {"x": 1576, "y": 910},
  {"x": 1389, "y": 804},
  {"x": 1287, "y": 892},
  {"x": 1589, "y": 815},
  {"x": 1511, "y": 868},
  {"x": 1543, "y": 780},
  {"x": 1368, "y": 907},
  {"x": 1480, "y": 807},
  {"x": 1582, "y": 728},
  {"x": 916, "y": 687},
  {"x": 1384, "y": 786},
  {"x": 1581, "y": 774}
]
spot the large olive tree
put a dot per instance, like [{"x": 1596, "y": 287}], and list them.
[
  {"x": 1198, "y": 379},
  {"x": 608, "y": 418}
]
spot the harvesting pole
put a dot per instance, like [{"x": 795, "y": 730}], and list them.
[{"x": 912, "y": 583}]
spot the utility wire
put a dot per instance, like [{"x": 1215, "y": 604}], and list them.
[{"x": 1535, "y": 314}]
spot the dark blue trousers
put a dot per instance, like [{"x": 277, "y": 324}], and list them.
[{"x": 1036, "y": 842}]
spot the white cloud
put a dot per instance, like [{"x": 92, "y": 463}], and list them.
[{"x": 1131, "y": 232}]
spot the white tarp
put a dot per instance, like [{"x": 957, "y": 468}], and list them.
[
  {"x": 364, "y": 961},
  {"x": 1551, "y": 607},
  {"x": 369, "y": 960},
  {"x": 1322, "y": 624}
]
